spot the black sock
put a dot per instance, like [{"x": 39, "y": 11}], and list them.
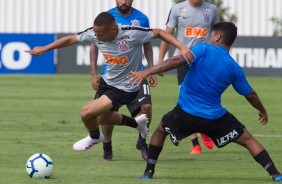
[
  {"x": 128, "y": 121},
  {"x": 153, "y": 156},
  {"x": 195, "y": 142},
  {"x": 107, "y": 146},
  {"x": 95, "y": 134},
  {"x": 265, "y": 161}
]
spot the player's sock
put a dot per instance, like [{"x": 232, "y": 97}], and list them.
[
  {"x": 107, "y": 146},
  {"x": 195, "y": 141},
  {"x": 128, "y": 121},
  {"x": 265, "y": 161},
  {"x": 95, "y": 134},
  {"x": 154, "y": 153}
]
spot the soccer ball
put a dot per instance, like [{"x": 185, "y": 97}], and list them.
[{"x": 39, "y": 165}]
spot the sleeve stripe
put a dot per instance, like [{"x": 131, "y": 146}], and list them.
[
  {"x": 84, "y": 31},
  {"x": 136, "y": 28}
]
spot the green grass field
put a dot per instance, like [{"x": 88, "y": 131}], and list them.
[{"x": 42, "y": 114}]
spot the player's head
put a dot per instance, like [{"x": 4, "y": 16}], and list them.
[
  {"x": 223, "y": 33},
  {"x": 124, "y": 6},
  {"x": 105, "y": 27},
  {"x": 195, "y": 2}
]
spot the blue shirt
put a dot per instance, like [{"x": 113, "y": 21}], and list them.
[
  {"x": 211, "y": 72},
  {"x": 136, "y": 18}
]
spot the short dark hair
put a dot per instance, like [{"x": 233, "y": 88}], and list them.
[
  {"x": 228, "y": 31},
  {"x": 104, "y": 18}
]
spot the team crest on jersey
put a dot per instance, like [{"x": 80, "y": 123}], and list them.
[
  {"x": 206, "y": 17},
  {"x": 123, "y": 46},
  {"x": 135, "y": 22}
]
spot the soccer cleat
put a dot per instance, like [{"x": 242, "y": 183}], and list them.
[
  {"x": 147, "y": 175},
  {"x": 144, "y": 150},
  {"x": 108, "y": 156},
  {"x": 207, "y": 141},
  {"x": 196, "y": 150},
  {"x": 277, "y": 178},
  {"x": 86, "y": 143},
  {"x": 142, "y": 121}
]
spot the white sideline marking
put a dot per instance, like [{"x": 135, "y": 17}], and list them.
[{"x": 260, "y": 135}]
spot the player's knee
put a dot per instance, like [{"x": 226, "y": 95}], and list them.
[
  {"x": 85, "y": 113},
  {"x": 146, "y": 109}
]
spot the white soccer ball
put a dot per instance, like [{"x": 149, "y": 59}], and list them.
[{"x": 40, "y": 166}]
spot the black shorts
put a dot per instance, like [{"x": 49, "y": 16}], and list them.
[
  {"x": 117, "y": 96},
  {"x": 181, "y": 73},
  {"x": 144, "y": 97},
  {"x": 179, "y": 124}
]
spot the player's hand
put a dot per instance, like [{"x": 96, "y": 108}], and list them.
[
  {"x": 153, "y": 81},
  {"x": 95, "y": 80},
  {"x": 263, "y": 118},
  {"x": 36, "y": 51},
  {"x": 137, "y": 77},
  {"x": 187, "y": 54}
]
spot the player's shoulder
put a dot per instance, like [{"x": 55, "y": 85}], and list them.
[
  {"x": 209, "y": 5},
  {"x": 112, "y": 10},
  {"x": 138, "y": 13}
]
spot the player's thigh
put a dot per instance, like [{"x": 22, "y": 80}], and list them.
[{"x": 97, "y": 107}]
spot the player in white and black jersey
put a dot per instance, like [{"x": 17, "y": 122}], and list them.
[
  {"x": 120, "y": 46},
  {"x": 125, "y": 14}
]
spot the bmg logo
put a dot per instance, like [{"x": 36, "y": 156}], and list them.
[{"x": 13, "y": 56}]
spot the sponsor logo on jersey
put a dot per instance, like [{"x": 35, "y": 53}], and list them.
[
  {"x": 126, "y": 37},
  {"x": 115, "y": 60},
  {"x": 135, "y": 22},
  {"x": 123, "y": 46},
  {"x": 227, "y": 138},
  {"x": 196, "y": 32},
  {"x": 206, "y": 17}
]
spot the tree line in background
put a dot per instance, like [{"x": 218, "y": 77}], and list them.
[{"x": 224, "y": 15}]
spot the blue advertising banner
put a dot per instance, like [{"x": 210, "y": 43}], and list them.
[{"x": 13, "y": 59}]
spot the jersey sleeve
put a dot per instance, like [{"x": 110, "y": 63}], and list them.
[
  {"x": 143, "y": 35},
  {"x": 172, "y": 20},
  {"x": 86, "y": 36},
  {"x": 240, "y": 83},
  {"x": 199, "y": 51}
]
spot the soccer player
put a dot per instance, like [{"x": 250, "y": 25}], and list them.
[
  {"x": 193, "y": 20},
  {"x": 120, "y": 48},
  {"x": 125, "y": 14},
  {"x": 199, "y": 103}
]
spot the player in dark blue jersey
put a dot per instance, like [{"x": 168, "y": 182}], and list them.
[
  {"x": 199, "y": 107},
  {"x": 126, "y": 15}
]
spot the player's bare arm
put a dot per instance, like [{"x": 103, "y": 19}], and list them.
[
  {"x": 93, "y": 64},
  {"x": 183, "y": 50},
  {"x": 148, "y": 52},
  {"x": 171, "y": 63},
  {"x": 254, "y": 100},
  {"x": 164, "y": 46},
  {"x": 60, "y": 43}
]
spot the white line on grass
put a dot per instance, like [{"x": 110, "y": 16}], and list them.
[{"x": 261, "y": 135}]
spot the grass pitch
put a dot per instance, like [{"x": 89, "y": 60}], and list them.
[{"x": 41, "y": 114}]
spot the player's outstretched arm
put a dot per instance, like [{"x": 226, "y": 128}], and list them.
[
  {"x": 254, "y": 100},
  {"x": 167, "y": 37},
  {"x": 60, "y": 43},
  {"x": 169, "y": 64}
]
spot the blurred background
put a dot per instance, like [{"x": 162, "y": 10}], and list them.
[{"x": 27, "y": 23}]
